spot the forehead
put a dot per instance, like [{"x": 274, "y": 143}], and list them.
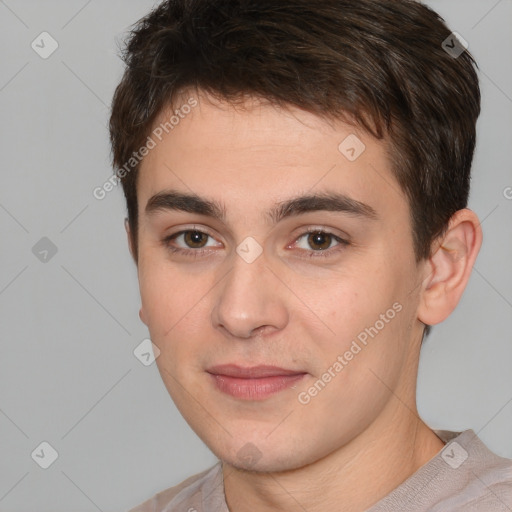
[{"x": 248, "y": 157}]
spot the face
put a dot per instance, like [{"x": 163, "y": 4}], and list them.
[{"x": 284, "y": 324}]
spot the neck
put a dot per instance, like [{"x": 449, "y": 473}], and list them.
[{"x": 350, "y": 479}]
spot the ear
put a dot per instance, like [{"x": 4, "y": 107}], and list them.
[
  {"x": 449, "y": 267},
  {"x": 129, "y": 235},
  {"x": 142, "y": 316}
]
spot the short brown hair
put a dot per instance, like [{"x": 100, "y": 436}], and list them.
[{"x": 380, "y": 63}]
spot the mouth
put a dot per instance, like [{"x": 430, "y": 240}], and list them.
[{"x": 255, "y": 382}]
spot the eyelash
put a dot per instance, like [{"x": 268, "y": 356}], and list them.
[{"x": 195, "y": 253}]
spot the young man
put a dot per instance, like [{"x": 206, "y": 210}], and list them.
[{"x": 296, "y": 176}]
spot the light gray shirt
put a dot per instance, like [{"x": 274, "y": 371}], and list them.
[{"x": 464, "y": 476}]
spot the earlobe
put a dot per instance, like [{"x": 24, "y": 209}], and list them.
[
  {"x": 449, "y": 267},
  {"x": 142, "y": 316}
]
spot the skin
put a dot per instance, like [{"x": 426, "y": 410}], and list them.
[{"x": 361, "y": 435}]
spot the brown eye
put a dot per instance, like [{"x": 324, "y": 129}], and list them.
[
  {"x": 319, "y": 243},
  {"x": 191, "y": 242},
  {"x": 195, "y": 239},
  {"x": 320, "y": 239}
]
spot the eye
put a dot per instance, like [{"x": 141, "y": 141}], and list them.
[
  {"x": 321, "y": 243},
  {"x": 193, "y": 239}
]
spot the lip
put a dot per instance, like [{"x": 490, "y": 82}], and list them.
[
  {"x": 251, "y": 372},
  {"x": 255, "y": 382}
]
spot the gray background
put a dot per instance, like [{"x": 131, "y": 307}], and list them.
[{"x": 69, "y": 325}]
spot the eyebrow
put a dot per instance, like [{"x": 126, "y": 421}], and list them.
[{"x": 327, "y": 201}]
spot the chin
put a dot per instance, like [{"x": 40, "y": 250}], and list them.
[{"x": 260, "y": 456}]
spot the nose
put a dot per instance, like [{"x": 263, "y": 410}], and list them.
[{"x": 250, "y": 300}]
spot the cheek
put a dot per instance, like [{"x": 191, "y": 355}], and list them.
[
  {"x": 176, "y": 306},
  {"x": 367, "y": 315},
  {"x": 360, "y": 366},
  {"x": 166, "y": 294},
  {"x": 156, "y": 295},
  {"x": 354, "y": 303}
]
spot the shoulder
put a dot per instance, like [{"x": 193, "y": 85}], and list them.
[
  {"x": 489, "y": 479},
  {"x": 475, "y": 478},
  {"x": 184, "y": 491},
  {"x": 465, "y": 476}
]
